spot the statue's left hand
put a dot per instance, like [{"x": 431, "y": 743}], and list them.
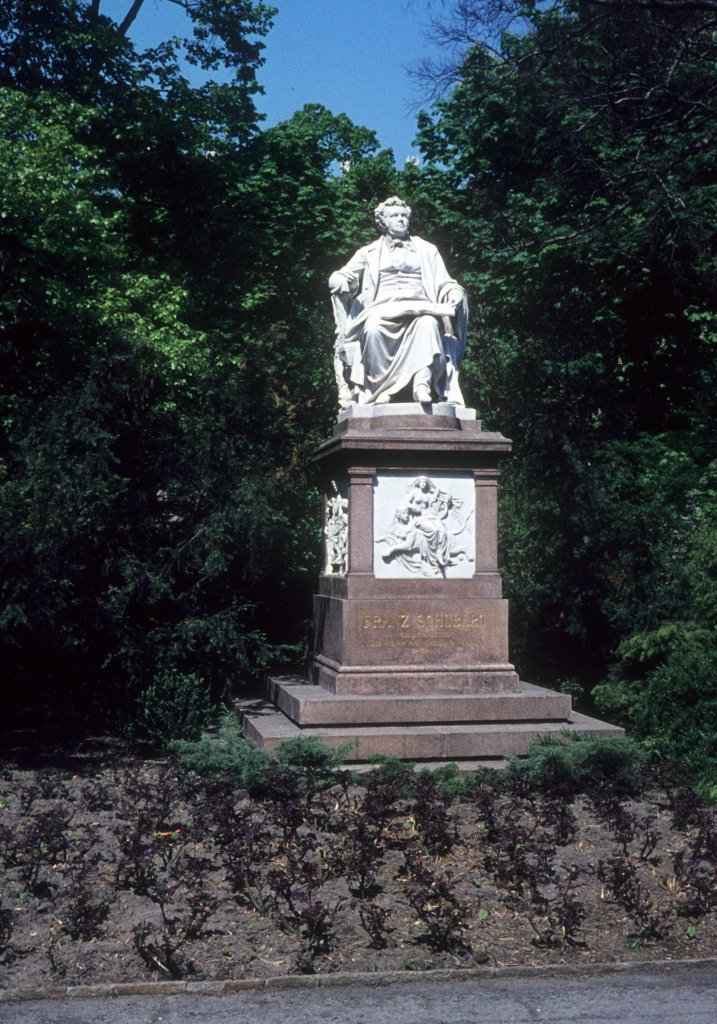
[{"x": 454, "y": 297}]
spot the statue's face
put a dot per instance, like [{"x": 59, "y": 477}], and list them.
[{"x": 396, "y": 220}]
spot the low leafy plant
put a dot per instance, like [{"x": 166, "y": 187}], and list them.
[
  {"x": 436, "y": 828},
  {"x": 561, "y": 914},
  {"x": 9, "y": 846},
  {"x": 45, "y": 842},
  {"x": 697, "y": 878},
  {"x": 156, "y": 797},
  {"x": 695, "y": 867},
  {"x": 84, "y": 904},
  {"x": 225, "y": 754},
  {"x": 373, "y": 919},
  {"x": 136, "y": 867},
  {"x": 691, "y": 815},
  {"x": 611, "y": 811},
  {"x": 485, "y": 800},
  {"x": 520, "y": 853},
  {"x": 160, "y": 866},
  {"x": 573, "y": 763},
  {"x": 450, "y": 781},
  {"x": 27, "y": 796},
  {"x": 53, "y": 947},
  {"x": 7, "y": 924},
  {"x": 316, "y": 922},
  {"x": 621, "y": 877},
  {"x": 160, "y": 949},
  {"x": 435, "y": 902},
  {"x": 97, "y": 795},
  {"x": 285, "y": 802},
  {"x": 176, "y": 705},
  {"x": 294, "y": 887},
  {"x": 688, "y": 808},
  {"x": 358, "y": 858},
  {"x": 52, "y": 786},
  {"x": 379, "y": 804},
  {"x": 392, "y": 776},
  {"x": 557, "y": 814},
  {"x": 84, "y": 910},
  {"x": 244, "y": 844},
  {"x": 313, "y": 763},
  {"x": 364, "y": 832}
]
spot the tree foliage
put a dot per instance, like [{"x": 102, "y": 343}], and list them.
[
  {"x": 573, "y": 154},
  {"x": 165, "y": 358},
  {"x": 165, "y": 345}
]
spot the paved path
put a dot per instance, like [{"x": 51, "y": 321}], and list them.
[{"x": 680, "y": 994}]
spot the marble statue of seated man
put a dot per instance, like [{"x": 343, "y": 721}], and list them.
[{"x": 401, "y": 319}]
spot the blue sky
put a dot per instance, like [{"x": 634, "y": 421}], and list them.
[{"x": 349, "y": 55}]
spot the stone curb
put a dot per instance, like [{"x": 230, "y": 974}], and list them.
[{"x": 379, "y": 979}]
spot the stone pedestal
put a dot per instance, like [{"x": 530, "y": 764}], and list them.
[{"x": 410, "y": 647}]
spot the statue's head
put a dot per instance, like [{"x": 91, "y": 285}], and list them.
[{"x": 393, "y": 217}]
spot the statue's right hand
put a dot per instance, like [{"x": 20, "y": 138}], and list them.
[{"x": 338, "y": 285}]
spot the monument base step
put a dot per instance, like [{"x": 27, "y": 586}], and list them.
[
  {"x": 466, "y": 741},
  {"x": 360, "y": 768},
  {"x": 411, "y": 680},
  {"x": 309, "y": 705}
]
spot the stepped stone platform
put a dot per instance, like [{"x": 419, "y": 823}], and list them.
[
  {"x": 437, "y": 727},
  {"x": 410, "y": 646}
]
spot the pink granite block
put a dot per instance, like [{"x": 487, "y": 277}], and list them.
[{"x": 309, "y": 705}]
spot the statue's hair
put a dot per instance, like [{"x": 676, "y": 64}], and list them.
[{"x": 391, "y": 201}]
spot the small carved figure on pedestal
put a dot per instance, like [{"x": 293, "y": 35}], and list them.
[{"x": 336, "y": 532}]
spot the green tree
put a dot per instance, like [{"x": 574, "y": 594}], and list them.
[
  {"x": 663, "y": 684},
  {"x": 166, "y": 360},
  {"x": 572, "y": 159}
]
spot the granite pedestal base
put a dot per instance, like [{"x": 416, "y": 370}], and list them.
[
  {"x": 441, "y": 727},
  {"x": 410, "y": 647}
]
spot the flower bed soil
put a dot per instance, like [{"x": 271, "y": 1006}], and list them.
[{"x": 122, "y": 870}]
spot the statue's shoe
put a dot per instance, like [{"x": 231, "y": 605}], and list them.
[{"x": 422, "y": 394}]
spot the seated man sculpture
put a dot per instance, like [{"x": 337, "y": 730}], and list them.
[{"x": 401, "y": 319}]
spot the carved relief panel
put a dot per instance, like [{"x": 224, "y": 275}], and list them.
[{"x": 424, "y": 525}]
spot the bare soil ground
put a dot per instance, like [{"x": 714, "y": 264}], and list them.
[{"x": 116, "y": 869}]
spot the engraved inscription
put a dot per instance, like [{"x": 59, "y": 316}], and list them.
[
  {"x": 431, "y": 631},
  {"x": 386, "y": 621}
]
